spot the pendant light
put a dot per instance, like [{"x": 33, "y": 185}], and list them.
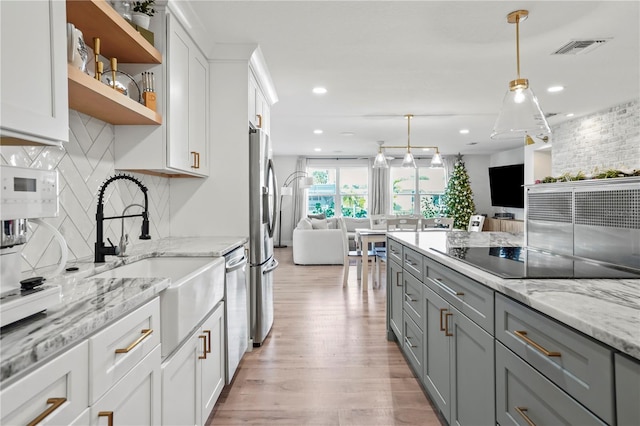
[
  {"x": 520, "y": 113},
  {"x": 408, "y": 161},
  {"x": 380, "y": 162}
]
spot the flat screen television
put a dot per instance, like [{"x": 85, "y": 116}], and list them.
[{"x": 506, "y": 184}]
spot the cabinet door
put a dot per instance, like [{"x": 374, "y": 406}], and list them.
[
  {"x": 627, "y": 390},
  {"x": 395, "y": 291},
  {"x": 181, "y": 384},
  {"x": 472, "y": 373},
  {"x": 134, "y": 400},
  {"x": 34, "y": 108},
  {"x": 213, "y": 365},
  {"x": 253, "y": 89},
  {"x": 436, "y": 351},
  {"x": 62, "y": 385},
  {"x": 198, "y": 112},
  {"x": 178, "y": 155},
  {"x": 491, "y": 225}
]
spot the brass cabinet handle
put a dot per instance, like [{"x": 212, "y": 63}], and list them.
[
  {"x": 448, "y": 289},
  {"x": 55, "y": 403},
  {"x": 108, "y": 415},
  {"x": 208, "y": 340},
  {"x": 523, "y": 412},
  {"x": 398, "y": 279},
  {"x": 523, "y": 335},
  {"x": 196, "y": 160},
  {"x": 407, "y": 296},
  {"x": 446, "y": 324},
  {"x": 406, "y": 340},
  {"x": 204, "y": 347},
  {"x": 145, "y": 333},
  {"x": 259, "y": 116},
  {"x": 441, "y": 311}
]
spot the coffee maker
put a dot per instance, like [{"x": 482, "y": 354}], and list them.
[{"x": 25, "y": 194}]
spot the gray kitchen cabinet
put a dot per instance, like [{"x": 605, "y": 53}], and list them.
[
  {"x": 525, "y": 397},
  {"x": 34, "y": 103},
  {"x": 627, "y": 390},
  {"x": 394, "y": 299},
  {"x": 412, "y": 344}
]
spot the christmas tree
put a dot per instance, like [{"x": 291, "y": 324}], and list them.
[{"x": 458, "y": 197}]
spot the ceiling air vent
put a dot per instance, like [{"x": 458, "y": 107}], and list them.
[{"x": 575, "y": 47}]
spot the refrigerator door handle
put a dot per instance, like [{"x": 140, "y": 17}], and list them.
[
  {"x": 271, "y": 268},
  {"x": 237, "y": 264},
  {"x": 274, "y": 189}
]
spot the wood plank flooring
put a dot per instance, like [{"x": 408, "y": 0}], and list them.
[{"x": 326, "y": 361}]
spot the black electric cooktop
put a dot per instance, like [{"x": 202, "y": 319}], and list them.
[{"x": 521, "y": 262}]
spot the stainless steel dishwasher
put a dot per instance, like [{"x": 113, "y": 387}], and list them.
[{"x": 236, "y": 312}]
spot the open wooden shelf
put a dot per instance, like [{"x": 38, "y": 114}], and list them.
[
  {"x": 92, "y": 97},
  {"x": 118, "y": 39}
]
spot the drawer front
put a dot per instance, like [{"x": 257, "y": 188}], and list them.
[
  {"x": 524, "y": 394},
  {"x": 412, "y": 262},
  {"x": 395, "y": 293},
  {"x": 120, "y": 346},
  {"x": 66, "y": 376},
  {"x": 627, "y": 390},
  {"x": 578, "y": 365},
  {"x": 468, "y": 296},
  {"x": 412, "y": 300},
  {"x": 412, "y": 345},
  {"x": 394, "y": 251}
]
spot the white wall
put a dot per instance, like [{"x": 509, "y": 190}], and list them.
[{"x": 477, "y": 168}]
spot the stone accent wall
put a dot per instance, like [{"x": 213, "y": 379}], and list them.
[{"x": 607, "y": 139}]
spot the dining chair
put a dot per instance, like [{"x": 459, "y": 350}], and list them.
[
  {"x": 437, "y": 223},
  {"x": 475, "y": 223},
  {"x": 403, "y": 223},
  {"x": 378, "y": 221},
  {"x": 352, "y": 254}
]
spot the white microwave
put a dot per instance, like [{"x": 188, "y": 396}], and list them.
[{"x": 27, "y": 193}]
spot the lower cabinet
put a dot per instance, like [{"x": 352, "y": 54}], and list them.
[
  {"x": 193, "y": 377},
  {"x": 627, "y": 390},
  {"x": 394, "y": 297},
  {"x": 458, "y": 363}
]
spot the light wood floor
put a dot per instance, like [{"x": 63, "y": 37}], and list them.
[{"x": 326, "y": 361}]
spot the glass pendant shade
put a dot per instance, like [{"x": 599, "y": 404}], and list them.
[
  {"x": 380, "y": 162},
  {"x": 408, "y": 161},
  {"x": 520, "y": 115},
  {"x": 436, "y": 161}
]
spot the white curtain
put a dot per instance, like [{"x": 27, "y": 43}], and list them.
[
  {"x": 298, "y": 194},
  {"x": 449, "y": 164},
  {"x": 379, "y": 190}
]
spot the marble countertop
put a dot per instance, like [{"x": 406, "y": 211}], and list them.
[
  {"x": 608, "y": 310},
  {"x": 88, "y": 304}
]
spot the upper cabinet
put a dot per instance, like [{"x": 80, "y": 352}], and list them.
[
  {"x": 96, "y": 18},
  {"x": 259, "y": 108},
  {"x": 34, "y": 107}
]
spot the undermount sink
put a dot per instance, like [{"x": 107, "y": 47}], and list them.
[{"x": 197, "y": 285}]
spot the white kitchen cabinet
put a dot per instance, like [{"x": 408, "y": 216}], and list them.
[
  {"x": 193, "y": 377},
  {"x": 56, "y": 393},
  {"x": 33, "y": 66},
  {"x": 180, "y": 147},
  {"x": 135, "y": 399},
  {"x": 259, "y": 109}
]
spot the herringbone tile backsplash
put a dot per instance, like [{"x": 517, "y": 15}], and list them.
[{"x": 83, "y": 165}]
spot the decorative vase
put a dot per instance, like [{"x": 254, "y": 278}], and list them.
[{"x": 142, "y": 20}]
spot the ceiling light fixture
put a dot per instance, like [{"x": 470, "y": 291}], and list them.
[
  {"x": 319, "y": 90},
  {"x": 317, "y": 132},
  {"x": 555, "y": 89},
  {"x": 520, "y": 113},
  {"x": 464, "y": 131},
  {"x": 408, "y": 161},
  {"x": 528, "y": 140},
  {"x": 570, "y": 114}
]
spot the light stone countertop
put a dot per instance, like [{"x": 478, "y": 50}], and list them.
[
  {"x": 89, "y": 304},
  {"x": 608, "y": 310}
]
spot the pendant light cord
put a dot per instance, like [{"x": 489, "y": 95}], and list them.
[
  {"x": 409, "y": 132},
  {"x": 518, "y": 44}
]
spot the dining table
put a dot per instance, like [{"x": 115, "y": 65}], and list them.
[{"x": 364, "y": 237}]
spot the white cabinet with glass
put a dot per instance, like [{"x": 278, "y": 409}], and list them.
[{"x": 34, "y": 105}]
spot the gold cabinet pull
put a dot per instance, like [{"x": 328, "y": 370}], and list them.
[
  {"x": 398, "y": 279},
  {"x": 208, "y": 340},
  {"x": 448, "y": 289},
  {"x": 196, "y": 160},
  {"x": 204, "y": 347},
  {"x": 145, "y": 333},
  {"x": 55, "y": 403},
  {"x": 446, "y": 324},
  {"x": 407, "y": 340},
  {"x": 441, "y": 324},
  {"x": 407, "y": 297},
  {"x": 523, "y": 412},
  {"x": 523, "y": 335},
  {"x": 108, "y": 415},
  {"x": 259, "y": 116}
]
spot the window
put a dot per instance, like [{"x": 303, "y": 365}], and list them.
[
  {"x": 416, "y": 191},
  {"x": 339, "y": 191}
]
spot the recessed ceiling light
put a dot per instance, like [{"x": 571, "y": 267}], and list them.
[
  {"x": 319, "y": 90},
  {"x": 317, "y": 131},
  {"x": 347, "y": 133},
  {"x": 555, "y": 89},
  {"x": 464, "y": 131},
  {"x": 570, "y": 114},
  {"x": 317, "y": 149}
]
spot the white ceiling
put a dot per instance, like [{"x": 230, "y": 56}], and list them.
[{"x": 446, "y": 62}]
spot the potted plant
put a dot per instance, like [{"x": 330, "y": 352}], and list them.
[{"x": 142, "y": 13}]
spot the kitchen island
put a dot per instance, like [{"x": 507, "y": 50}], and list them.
[{"x": 559, "y": 342}]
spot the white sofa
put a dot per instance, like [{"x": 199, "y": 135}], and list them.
[{"x": 319, "y": 241}]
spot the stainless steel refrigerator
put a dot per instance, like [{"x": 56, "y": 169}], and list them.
[{"x": 263, "y": 200}]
